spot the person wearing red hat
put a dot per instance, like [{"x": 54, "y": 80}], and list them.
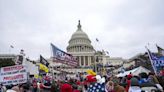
[
  {"x": 91, "y": 78},
  {"x": 66, "y": 88}
]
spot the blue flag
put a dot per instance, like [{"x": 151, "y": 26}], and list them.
[
  {"x": 62, "y": 56},
  {"x": 156, "y": 61}
]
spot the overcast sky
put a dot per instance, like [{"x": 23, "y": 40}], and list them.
[{"x": 123, "y": 27}]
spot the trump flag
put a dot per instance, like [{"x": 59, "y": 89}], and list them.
[{"x": 63, "y": 57}]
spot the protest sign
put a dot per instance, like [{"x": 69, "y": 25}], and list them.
[{"x": 13, "y": 75}]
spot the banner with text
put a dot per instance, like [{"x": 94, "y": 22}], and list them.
[
  {"x": 157, "y": 62},
  {"x": 63, "y": 57},
  {"x": 13, "y": 75}
]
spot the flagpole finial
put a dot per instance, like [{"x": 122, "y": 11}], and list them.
[{"x": 79, "y": 25}]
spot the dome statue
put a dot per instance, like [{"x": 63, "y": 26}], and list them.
[{"x": 79, "y": 41}]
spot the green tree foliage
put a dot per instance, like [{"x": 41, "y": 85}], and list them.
[{"x": 6, "y": 62}]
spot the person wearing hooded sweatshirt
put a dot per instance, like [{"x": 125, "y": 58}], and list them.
[{"x": 134, "y": 86}]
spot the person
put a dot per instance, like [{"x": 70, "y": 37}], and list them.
[
  {"x": 153, "y": 79},
  {"x": 34, "y": 85},
  {"x": 66, "y": 88},
  {"x": 54, "y": 86},
  {"x": 75, "y": 88},
  {"x": 26, "y": 87},
  {"x": 13, "y": 88},
  {"x": 123, "y": 81},
  {"x": 117, "y": 87},
  {"x": 0, "y": 87},
  {"x": 128, "y": 82},
  {"x": 145, "y": 83},
  {"x": 134, "y": 86},
  {"x": 109, "y": 86}
]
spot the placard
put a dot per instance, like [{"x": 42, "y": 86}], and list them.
[{"x": 13, "y": 75}]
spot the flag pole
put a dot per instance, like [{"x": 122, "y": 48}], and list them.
[
  {"x": 52, "y": 61},
  {"x": 10, "y": 48},
  {"x": 151, "y": 61}
]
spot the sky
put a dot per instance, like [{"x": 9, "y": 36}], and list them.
[{"x": 123, "y": 27}]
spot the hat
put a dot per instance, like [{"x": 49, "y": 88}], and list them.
[
  {"x": 66, "y": 88},
  {"x": 90, "y": 78},
  {"x": 99, "y": 79}
]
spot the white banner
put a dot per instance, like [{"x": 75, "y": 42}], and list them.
[
  {"x": 13, "y": 75},
  {"x": 32, "y": 68}
]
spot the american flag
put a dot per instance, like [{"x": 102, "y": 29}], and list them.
[
  {"x": 11, "y": 46},
  {"x": 96, "y": 87},
  {"x": 97, "y": 39}
]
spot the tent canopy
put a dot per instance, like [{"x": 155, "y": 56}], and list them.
[{"x": 135, "y": 71}]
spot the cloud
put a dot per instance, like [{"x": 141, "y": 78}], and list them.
[{"x": 123, "y": 27}]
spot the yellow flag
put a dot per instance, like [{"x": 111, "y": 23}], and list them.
[
  {"x": 91, "y": 72},
  {"x": 43, "y": 67},
  {"x": 36, "y": 76}
]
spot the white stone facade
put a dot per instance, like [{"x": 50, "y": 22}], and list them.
[
  {"x": 115, "y": 61},
  {"x": 80, "y": 47}
]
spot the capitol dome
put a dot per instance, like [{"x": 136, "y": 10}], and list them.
[{"x": 79, "y": 41}]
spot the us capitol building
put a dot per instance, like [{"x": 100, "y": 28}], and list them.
[{"x": 81, "y": 48}]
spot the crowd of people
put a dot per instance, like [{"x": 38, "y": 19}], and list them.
[{"x": 91, "y": 83}]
